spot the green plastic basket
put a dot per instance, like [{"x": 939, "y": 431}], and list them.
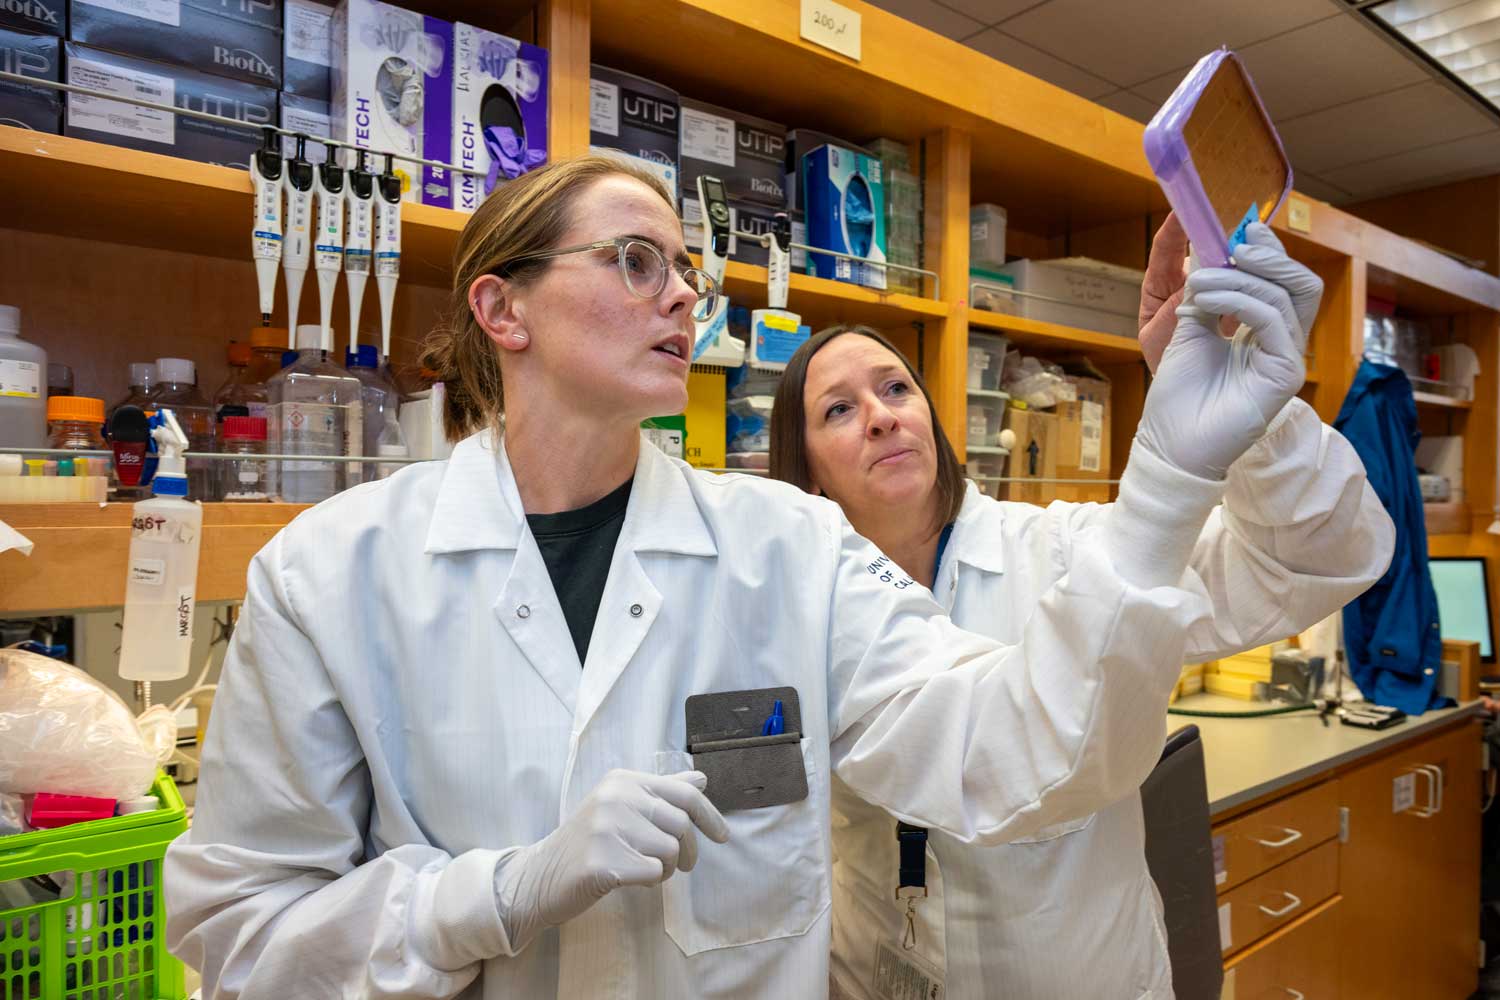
[{"x": 107, "y": 939}]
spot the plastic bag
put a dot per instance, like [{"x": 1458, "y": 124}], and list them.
[
  {"x": 1040, "y": 384},
  {"x": 62, "y": 731},
  {"x": 12, "y": 815}
]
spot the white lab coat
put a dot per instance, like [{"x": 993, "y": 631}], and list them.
[
  {"x": 402, "y": 705},
  {"x": 1071, "y": 910}
]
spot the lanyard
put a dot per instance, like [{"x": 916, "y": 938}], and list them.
[{"x": 911, "y": 881}]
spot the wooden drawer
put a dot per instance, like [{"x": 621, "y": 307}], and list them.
[
  {"x": 1273, "y": 834},
  {"x": 1280, "y": 896},
  {"x": 1293, "y": 963}
]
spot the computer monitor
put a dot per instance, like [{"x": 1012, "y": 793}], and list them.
[{"x": 1463, "y": 595}]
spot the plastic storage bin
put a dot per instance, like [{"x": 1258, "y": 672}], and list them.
[
  {"x": 107, "y": 938},
  {"x": 986, "y": 236},
  {"x": 1078, "y": 292},
  {"x": 986, "y": 419},
  {"x": 986, "y": 360}
]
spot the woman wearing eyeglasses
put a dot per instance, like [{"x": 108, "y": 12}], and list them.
[{"x": 559, "y": 717}]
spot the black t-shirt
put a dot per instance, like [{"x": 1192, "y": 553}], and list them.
[{"x": 578, "y": 546}]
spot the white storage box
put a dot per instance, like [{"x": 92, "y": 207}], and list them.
[
  {"x": 1079, "y": 292},
  {"x": 986, "y": 359}
]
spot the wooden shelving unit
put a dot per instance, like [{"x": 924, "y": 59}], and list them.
[
  {"x": 1441, "y": 402},
  {"x": 117, "y": 256}
]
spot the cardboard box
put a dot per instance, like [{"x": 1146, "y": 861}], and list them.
[
  {"x": 133, "y": 127},
  {"x": 499, "y": 106},
  {"x": 637, "y": 118},
  {"x": 45, "y": 17},
  {"x": 747, "y": 153},
  {"x": 393, "y": 91},
  {"x": 1033, "y": 457},
  {"x": 238, "y": 39},
  {"x": 838, "y": 181},
  {"x": 303, "y": 114},
  {"x": 1083, "y": 450},
  {"x": 23, "y": 106},
  {"x": 306, "y": 50}
]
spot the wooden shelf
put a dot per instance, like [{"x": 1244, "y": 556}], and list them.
[
  {"x": 1441, "y": 402},
  {"x": 75, "y": 187},
  {"x": 81, "y": 552},
  {"x": 989, "y": 393},
  {"x": 821, "y": 301},
  {"x": 986, "y": 449},
  {"x": 1452, "y": 518},
  {"x": 1034, "y": 334}
]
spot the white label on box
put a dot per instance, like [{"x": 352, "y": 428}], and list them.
[
  {"x": 21, "y": 378},
  {"x": 151, "y": 572},
  {"x": 1092, "y": 437},
  {"x": 604, "y": 108},
  {"x": 1221, "y": 872},
  {"x": 667, "y": 439},
  {"x": 115, "y": 117},
  {"x": 1404, "y": 792},
  {"x": 307, "y": 33},
  {"x": 1225, "y": 942},
  {"x": 831, "y": 25},
  {"x": 160, "y": 11},
  {"x": 707, "y": 137}
]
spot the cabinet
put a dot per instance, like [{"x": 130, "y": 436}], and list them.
[
  {"x": 1293, "y": 965},
  {"x": 1410, "y": 872}
]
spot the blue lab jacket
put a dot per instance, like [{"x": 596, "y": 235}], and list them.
[{"x": 1391, "y": 632}]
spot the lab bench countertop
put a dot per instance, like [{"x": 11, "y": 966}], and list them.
[{"x": 1249, "y": 759}]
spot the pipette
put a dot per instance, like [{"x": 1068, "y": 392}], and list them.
[
  {"x": 298, "y": 250},
  {"x": 387, "y": 248},
  {"x": 358, "y": 239},
  {"x": 328, "y": 243},
  {"x": 265, "y": 230}
]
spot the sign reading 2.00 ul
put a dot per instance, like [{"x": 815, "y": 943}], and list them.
[{"x": 831, "y": 25}]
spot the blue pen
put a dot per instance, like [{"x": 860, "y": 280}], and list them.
[{"x": 776, "y": 724}]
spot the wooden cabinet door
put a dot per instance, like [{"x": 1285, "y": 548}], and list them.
[
  {"x": 1293, "y": 963},
  {"x": 1410, "y": 872}
]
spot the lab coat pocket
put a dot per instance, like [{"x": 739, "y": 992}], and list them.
[
  {"x": 1057, "y": 830},
  {"x": 769, "y": 881}
]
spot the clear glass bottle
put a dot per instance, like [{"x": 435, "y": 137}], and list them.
[
  {"x": 316, "y": 408},
  {"x": 143, "y": 383},
  {"x": 382, "y": 434},
  {"x": 267, "y": 345},
  {"x": 243, "y": 479},
  {"x": 178, "y": 390},
  {"x": 240, "y": 389},
  {"x": 77, "y": 424}
]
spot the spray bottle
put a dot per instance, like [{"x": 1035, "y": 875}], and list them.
[
  {"x": 358, "y": 240},
  {"x": 265, "y": 231},
  {"x": 328, "y": 244},
  {"x": 162, "y": 576},
  {"x": 387, "y": 249},
  {"x": 299, "y": 222}
]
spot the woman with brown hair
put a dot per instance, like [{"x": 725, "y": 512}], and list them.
[
  {"x": 1067, "y": 909},
  {"x": 476, "y": 715}
]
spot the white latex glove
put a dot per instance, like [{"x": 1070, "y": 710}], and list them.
[
  {"x": 632, "y": 829},
  {"x": 1214, "y": 397}
]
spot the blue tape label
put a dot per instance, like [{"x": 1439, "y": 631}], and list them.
[{"x": 1238, "y": 236}]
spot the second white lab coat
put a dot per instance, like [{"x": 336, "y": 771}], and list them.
[
  {"x": 402, "y": 707},
  {"x": 1071, "y": 910}
]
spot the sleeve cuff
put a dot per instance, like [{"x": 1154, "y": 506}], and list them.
[
  {"x": 456, "y": 916},
  {"x": 1262, "y": 484},
  {"x": 1157, "y": 518}
]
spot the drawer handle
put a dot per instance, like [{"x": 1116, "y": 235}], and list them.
[
  {"x": 1292, "y": 993},
  {"x": 1292, "y": 836},
  {"x": 1434, "y": 778},
  {"x": 1288, "y": 908}
]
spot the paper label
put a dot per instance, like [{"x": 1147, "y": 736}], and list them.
[
  {"x": 707, "y": 137},
  {"x": 1092, "y": 440},
  {"x": 831, "y": 25},
  {"x": 185, "y": 597},
  {"x": 1225, "y": 942},
  {"x": 115, "y": 117},
  {"x": 604, "y": 108},
  {"x": 22, "y": 379},
  {"x": 160, "y": 11},
  {"x": 1221, "y": 870},
  {"x": 901, "y": 975},
  {"x": 309, "y": 429},
  {"x": 668, "y": 439},
  {"x": 307, "y": 34},
  {"x": 151, "y": 572}
]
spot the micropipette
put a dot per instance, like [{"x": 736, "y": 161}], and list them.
[
  {"x": 358, "y": 239},
  {"x": 298, "y": 250},
  {"x": 265, "y": 230},
  {"x": 387, "y": 248},
  {"x": 328, "y": 243}
]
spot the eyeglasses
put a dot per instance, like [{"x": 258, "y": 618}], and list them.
[{"x": 644, "y": 269}]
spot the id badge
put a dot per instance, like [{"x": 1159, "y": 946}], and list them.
[{"x": 902, "y": 975}]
